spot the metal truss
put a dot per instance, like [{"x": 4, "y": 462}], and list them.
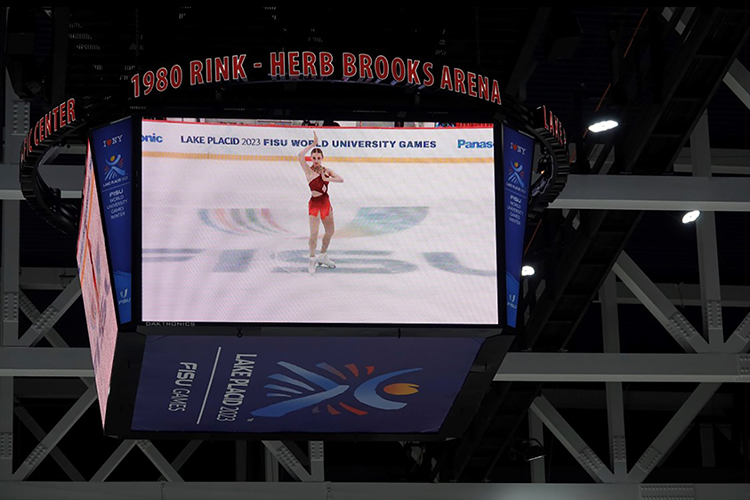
[{"x": 359, "y": 491}]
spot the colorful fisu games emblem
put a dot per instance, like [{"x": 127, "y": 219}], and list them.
[
  {"x": 516, "y": 174},
  {"x": 114, "y": 167},
  {"x": 303, "y": 389}
]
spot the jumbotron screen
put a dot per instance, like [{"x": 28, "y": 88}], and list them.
[
  {"x": 96, "y": 286},
  {"x": 287, "y": 224}
]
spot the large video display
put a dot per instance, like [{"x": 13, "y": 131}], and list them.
[
  {"x": 300, "y": 384},
  {"x": 96, "y": 287},
  {"x": 262, "y": 224}
]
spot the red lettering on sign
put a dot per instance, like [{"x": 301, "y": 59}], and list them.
[
  {"x": 495, "y": 92},
  {"x": 196, "y": 73},
  {"x": 221, "y": 68},
  {"x": 365, "y": 66},
  {"x": 209, "y": 71},
  {"x": 411, "y": 71},
  {"x": 63, "y": 119},
  {"x": 398, "y": 69},
  {"x": 381, "y": 67},
  {"x": 484, "y": 87},
  {"x": 445, "y": 79},
  {"x": 459, "y": 76},
  {"x": 308, "y": 64},
  {"x": 350, "y": 68},
  {"x": 471, "y": 83},
  {"x": 71, "y": 110},
  {"x": 238, "y": 67},
  {"x": 293, "y": 63},
  {"x": 326, "y": 66},
  {"x": 277, "y": 64},
  {"x": 429, "y": 79}
]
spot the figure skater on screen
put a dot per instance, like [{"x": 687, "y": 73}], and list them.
[{"x": 319, "y": 207}]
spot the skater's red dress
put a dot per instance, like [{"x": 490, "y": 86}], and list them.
[{"x": 319, "y": 205}]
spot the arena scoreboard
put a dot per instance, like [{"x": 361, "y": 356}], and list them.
[{"x": 209, "y": 317}]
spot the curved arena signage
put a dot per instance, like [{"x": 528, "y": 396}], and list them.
[{"x": 311, "y": 65}]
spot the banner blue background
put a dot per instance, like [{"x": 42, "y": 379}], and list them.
[
  {"x": 518, "y": 157},
  {"x": 112, "y": 147},
  {"x": 300, "y": 384}
]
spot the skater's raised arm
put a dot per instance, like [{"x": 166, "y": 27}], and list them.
[
  {"x": 331, "y": 176},
  {"x": 303, "y": 153}
]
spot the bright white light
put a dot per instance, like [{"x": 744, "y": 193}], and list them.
[
  {"x": 690, "y": 216},
  {"x": 527, "y": 271},
  {"x": 603, "y": 125}
]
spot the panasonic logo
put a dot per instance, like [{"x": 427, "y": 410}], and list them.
[
  {"x": 463, "y": 144},
  {"x": 152, "y": 138}
]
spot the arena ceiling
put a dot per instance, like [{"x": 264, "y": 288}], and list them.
[{"x": 561, "y": 57}]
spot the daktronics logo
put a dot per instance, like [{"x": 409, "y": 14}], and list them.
[
  {"x": 152, "y": 138},
  {"x": 112, "y": 141},
  {"x": 464, "y": 144},
  {"x": 518, "y": 149},
  {"x": 351, "y": 389}
]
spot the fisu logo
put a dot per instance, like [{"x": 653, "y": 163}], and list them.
[{"x": 303, "y": 388}]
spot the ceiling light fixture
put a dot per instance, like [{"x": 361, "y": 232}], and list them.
[
  {"x": 690, "y": 216},
  {"x": 603, "y": 125}
]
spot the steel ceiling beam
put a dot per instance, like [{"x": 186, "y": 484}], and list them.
[
  {"x": 640, "y": 192},
  {"x": 36, "y": 362},
  {"x": 54, "y": 490},
  {"x": 623, "y": 367},
  {"x": 682, "y": 295}
]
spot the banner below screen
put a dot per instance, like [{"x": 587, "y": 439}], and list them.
[
  {"x": 300, "y": 384},
  {"x": 518, "y": 156},
  {"x": 113, "y": 155}
]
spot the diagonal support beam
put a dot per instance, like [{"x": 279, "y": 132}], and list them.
[
  {"x": 571, "y": 441},
  {"x": 739, "y": 341},
  {"x": 53, "y": 312},
  {"x": 533, "y": 35},
  {"x": 186, "y": 453},
  {"x": 57, "y": 455},
  {"x": 31, "y": 312},
  {"x": 655, "y": 301},
  {"x": 113, "y": 461},
  {"x": 536, "y": 431},
  {"x": 56, "y": 434},
  {"x": 615, "y": 403},
  {"x": 672, "y": 432},
  {"x": 737, "y": 78},
  {"x": 708, "y": 256},
  {"x": 161, "y": 463},
  {"x": 287, "y": 459}
]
